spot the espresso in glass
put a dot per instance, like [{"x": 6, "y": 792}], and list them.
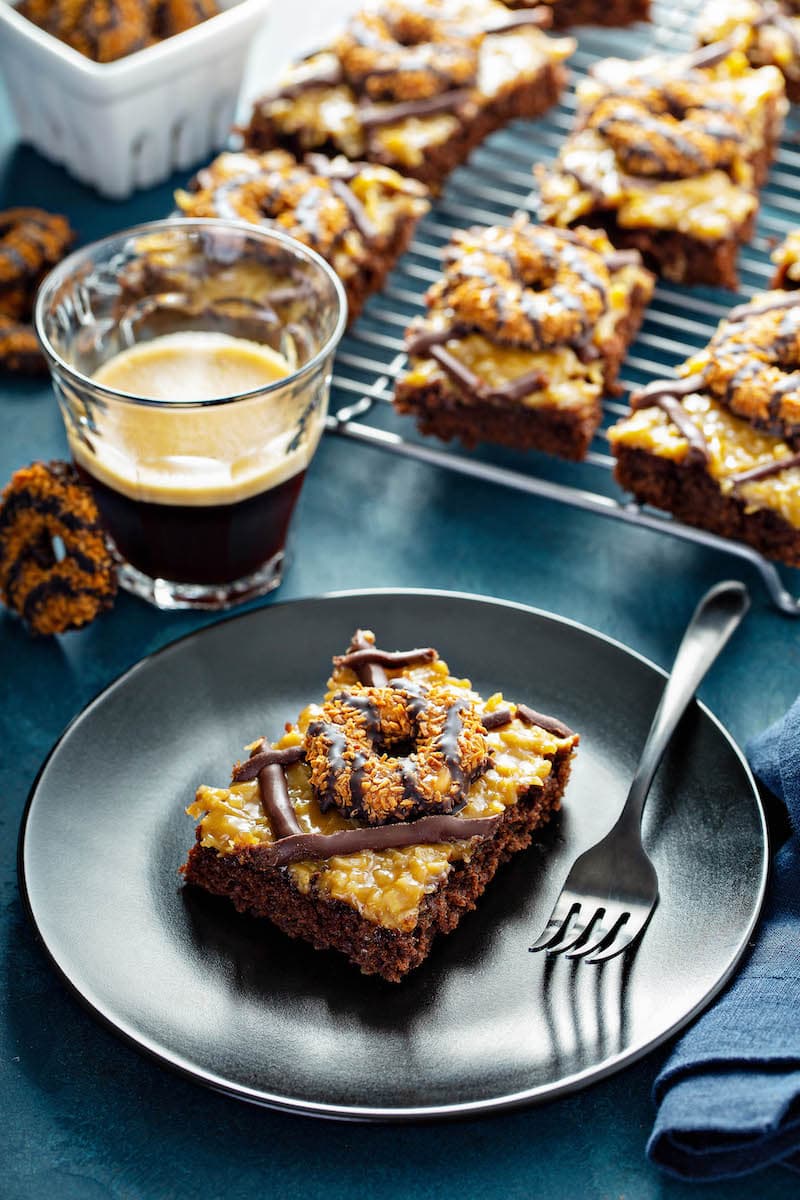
[
  {"x": 193, "y": 517},
  {"x": 200, "y": 400}
]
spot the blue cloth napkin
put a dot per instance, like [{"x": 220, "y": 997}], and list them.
[{"x": 729, "y": 1095}]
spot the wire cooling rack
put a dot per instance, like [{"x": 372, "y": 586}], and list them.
[{"x": 496, "y": 183}]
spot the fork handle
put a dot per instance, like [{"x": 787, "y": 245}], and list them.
[{"x": 716, "y": 617}]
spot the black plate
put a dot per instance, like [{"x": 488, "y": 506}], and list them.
[{"x": 483, "y": 1024}]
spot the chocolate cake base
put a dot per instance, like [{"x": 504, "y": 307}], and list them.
[
  {"x": 690, "y": 494},
  {"x": 441, "y": 411},
  {"x": 332, "y": 925},
  {"x": 529, "y": 99},
  {"x": 678, "y": 257},
  {"x": 372, "y": 275},
  {"x": 591, "y": 12}
]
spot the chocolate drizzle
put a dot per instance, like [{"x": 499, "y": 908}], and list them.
[
  {"x": 671, "y": 406},
  {"x": 339, "y": 178},
  {"x": 468, "y": 381},
  {"x": 314, "y": 75},
  {"x": 765, "y": 471},
  {"x": 622, "y": 258},
  {"x": 540, "y": 17},
  {"x": 355, "y": 208},
  {"x": 425, "y": 831},
  {"x": 497, "y": 719},
  {"x": 529, "y": 716},
  {"x": 275, "y": 797},
  {"x": 372, "y": 116},
  {"x": 259, "y": 759},
  {"x": 370, "y": 674},
  {"x": 698, "y": 450},
  {"x": 710, "y": 55},
  {"x": 648, "y": 395},
  {"x": 419, "y": 343},
  {"x": 523, "y": 385},
  {"x": 665, "y": 395},
  {"x": 370, "y": 656},
  {"x": 744, "y": 311},
  {"x": 459, "y": 372},
  {"x": 448, "y": 744}
]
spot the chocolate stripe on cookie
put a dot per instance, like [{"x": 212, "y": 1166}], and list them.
[
  {"x": 425, "y": 831},
  {"x": 54, "y": 586},
  {"x": 48, "y": 506}
]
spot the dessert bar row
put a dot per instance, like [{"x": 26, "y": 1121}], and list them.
[{"x": 528, "y": 325}]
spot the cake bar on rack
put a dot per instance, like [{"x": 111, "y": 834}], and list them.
[
  {"x": 379, "y": 818},
  {"x": 666, "y": 155},
  {"x": 720, "y": 445},
  {"x": 591, "y": 12},
  {"x": 415, "y": 85},
  {"x": 525, "y": 331},
  {"x": 358, "y": 216},
  {"x": 768, "y": 31}
]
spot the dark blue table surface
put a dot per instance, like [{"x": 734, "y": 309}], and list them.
[{"x": 86, "y": 1116}]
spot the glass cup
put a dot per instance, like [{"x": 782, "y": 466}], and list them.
[{"x": 196, "y": 495}]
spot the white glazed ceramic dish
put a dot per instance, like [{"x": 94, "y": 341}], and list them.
[{"x": 128, "y": 124}]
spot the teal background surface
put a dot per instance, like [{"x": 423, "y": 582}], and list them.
[{"x": 86, "y": 1116}]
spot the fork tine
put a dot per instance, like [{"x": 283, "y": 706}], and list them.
[
  {"x": 604, "y": 931},
  {"x": 556, "y": 923},
  {"x": 620, "y": 943},
  {"x": 577, "y": 931},
  {"x": 629, "y": 933}
]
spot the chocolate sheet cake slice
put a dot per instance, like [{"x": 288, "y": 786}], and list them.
[
  {"x": 359, "y": 216},
  {"x": 415, "y": 85},
  {"x": 525, "y": 332},
  {"x": 379, "y": 817},
  {"x": 720, "y": 445},
  {"x": 666, "y": 155}
]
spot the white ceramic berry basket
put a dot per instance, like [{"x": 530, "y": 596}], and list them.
[{"x": 127, "y": 124}]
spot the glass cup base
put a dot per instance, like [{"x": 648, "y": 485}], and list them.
[{"x": 170, "y": 595}]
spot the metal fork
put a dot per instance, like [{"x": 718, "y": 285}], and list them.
[{"x": 612, "y": 889}]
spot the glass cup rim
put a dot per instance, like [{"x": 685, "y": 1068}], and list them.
[{"x": 57, "y": 275}]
